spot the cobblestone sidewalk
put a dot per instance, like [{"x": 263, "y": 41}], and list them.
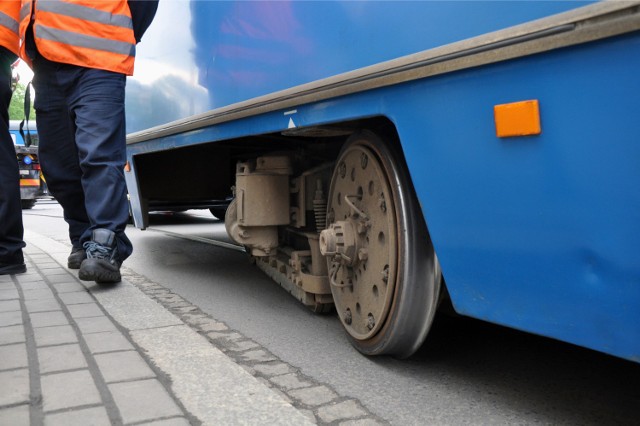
[{"x": 74, "y": 353}]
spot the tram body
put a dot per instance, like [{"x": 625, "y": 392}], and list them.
[{"x": 384, "y": 157}]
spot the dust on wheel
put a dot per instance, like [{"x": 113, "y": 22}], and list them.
[{"x": 384, "y": 275}]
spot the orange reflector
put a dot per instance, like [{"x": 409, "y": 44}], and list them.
[
  {"x": 517, "y": 119},
  {"x": 29, "y": 182},
  {"x": 127, "y": 167}
]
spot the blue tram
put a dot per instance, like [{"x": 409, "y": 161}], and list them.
[{"x": 388, "y": 157}]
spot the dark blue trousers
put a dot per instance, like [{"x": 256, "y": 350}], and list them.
[
  {"x": 81, "y": 129},
  {"x": 11, "y": 230}
]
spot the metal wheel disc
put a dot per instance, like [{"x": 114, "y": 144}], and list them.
[
  {"x": 384, "y": 274},
  {"x": 362, "y": 211}
]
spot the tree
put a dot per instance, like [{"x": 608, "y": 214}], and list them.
[{"x": 16, "y": 107}]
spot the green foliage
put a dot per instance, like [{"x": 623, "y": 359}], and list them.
[{"x": 16, "y": 107}]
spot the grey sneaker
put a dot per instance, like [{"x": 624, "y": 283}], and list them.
[
  {"x": 78, "y": 254},
  {"x": 102, "y": 264}
]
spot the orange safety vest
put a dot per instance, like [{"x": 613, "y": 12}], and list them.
[
  {"x": 9, "y": 15},
  {"x": 88, "y": 33}
]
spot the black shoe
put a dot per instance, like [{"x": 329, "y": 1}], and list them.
[
  {"x": 78, "y": 254},
  {"x": 102, "y": 264},
  {"x": 12, "y": 268}
]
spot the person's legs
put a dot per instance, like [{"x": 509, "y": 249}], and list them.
[
  {"x": 57, "y": 149},
  {"x": 11, "y": 229},
  {"x": 97, "y": 105}
]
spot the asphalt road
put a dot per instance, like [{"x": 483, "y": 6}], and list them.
[{"x": 468, "y": 372}]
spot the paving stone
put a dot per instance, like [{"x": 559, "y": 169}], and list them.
[
  {"x": 239, "y": 346},
  {"x": 344, "y": 410},
  {"x": 13, "y": 356},
  {"x": 95, "y": 325},
  {"x": 96, "y": 416},
  {"x": 7, "y": 286},
  {"x": 42, "y": 305},
  {"x": 12, "y": 334},
  {"x": 56, "y": 335},
  {"x": 132, "y": 309},
  {"x": 248, "y": 369},
  {"x": 9, "y": 294},
  {"x": 178, "y": 421},
  {"x": 10, "y": 318},
  {"x": 39, "y": 294},
  {"x": 60, "y": 358},
  {"x": 158, "y": 291},
  {"x": 170, "y": 299},
  {"x": 49, "y": 266},
  {"x": 283, "y": 395},
  {"x": 272, "y": 369},
  {"x": 76, "y": 297},
  {"x": 152, "y": 287},
  {"x": 46, "y": 319},
  {"x": 15, "y": 387},
  {"x": 61, "y": 278},
  {"x": 123, "y": 366},
  {"x": 258, "y": 355},
  {"x": 309, "y": 415},
  {"x": 62, "y": 271},
  {"x": 228, "y": 336},
  {"x": 6, "y": 283},
  {"x": 35, "y": 254},
  {"x": 143, "y": 400},
  {"x": 290, "y": 381},
  {"x": 107, "y": 342},
  {"x": 363, "y": 422},
  {"x": 316, "y": 395},
  {"x": 69, "y": 287},
  {"x": 213, "y": 326},
  {"x": 9, "y": 305},
  {"x": 29, "y": 277},
  {"x": 35, "y": 285},
  {"x": 15, "y": 416},
  {"x": 79, "y": 390},
  {"x": 184, "y": 309},
  {"x": 88, "y": 285},
  {"x": 85, "y": 310},
  {"x": 196, "y": 319}
]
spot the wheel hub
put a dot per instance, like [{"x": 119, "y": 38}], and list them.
[{"x": 344, "y": 243}]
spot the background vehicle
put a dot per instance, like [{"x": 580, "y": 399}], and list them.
[
  {"x": 32, "y": 185},
  {"x": 386, "y": 157}
]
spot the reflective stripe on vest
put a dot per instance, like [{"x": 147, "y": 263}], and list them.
[
  {"x": 9, "y": 23},
  {"x": 81, "y": 40},
  {"x": 25, "y": 10}
]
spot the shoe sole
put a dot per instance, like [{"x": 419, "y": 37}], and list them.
[
  {"x": 13, "y": 269},
  {"x": 100, "y": 271}
]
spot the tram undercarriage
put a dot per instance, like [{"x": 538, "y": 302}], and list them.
[{"x": 348, "y": 234}]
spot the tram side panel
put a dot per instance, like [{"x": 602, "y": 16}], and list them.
[{"x": 538, "y": 232}]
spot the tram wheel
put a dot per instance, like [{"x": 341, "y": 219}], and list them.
[{"x": 385, "y": 278}]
